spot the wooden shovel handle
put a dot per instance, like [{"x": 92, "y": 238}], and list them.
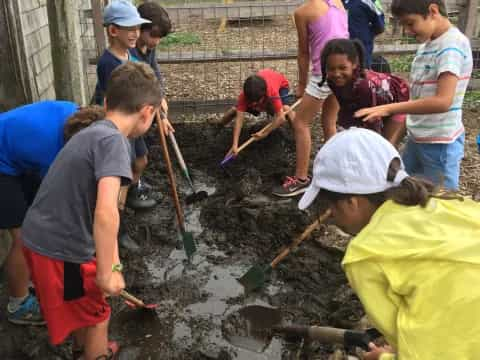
[
  {"x": 134, "y": 300},
  {"x": 268, "y": 126},
  {"x": 171, "y": 176},
  {"x": 302, "y": 237}
]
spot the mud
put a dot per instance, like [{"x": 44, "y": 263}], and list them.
[{"x": 240, "y": 224}]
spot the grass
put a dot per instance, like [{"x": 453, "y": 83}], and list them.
[{"x": 180, "y": 38}]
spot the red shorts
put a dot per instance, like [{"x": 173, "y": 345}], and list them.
[{"x": 68, "y": 295}]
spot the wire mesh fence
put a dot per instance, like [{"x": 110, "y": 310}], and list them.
[{"x": 217, "y": 44}]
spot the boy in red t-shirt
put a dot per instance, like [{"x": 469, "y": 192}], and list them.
[{"x": 267, "y": 91}]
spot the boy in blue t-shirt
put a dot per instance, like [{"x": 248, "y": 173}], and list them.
[
  {"x": 365, "y": 21},
  {"x": 30, "y": 138}
]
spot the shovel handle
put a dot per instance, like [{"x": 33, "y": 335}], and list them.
[
  {"x": 302, "y": 237},
  {"x": 171, "y": 176},
  {"x": 134, "y": 300},
  {"x": 252, "y": 139},
  {"x": 177, "y": 151}
]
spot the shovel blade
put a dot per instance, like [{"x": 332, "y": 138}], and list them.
[
  {"x": 254, "y": 278},
  {"x": 189, "y": 244}
]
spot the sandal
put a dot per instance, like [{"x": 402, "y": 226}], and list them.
[{"x": 113, "y": 348}]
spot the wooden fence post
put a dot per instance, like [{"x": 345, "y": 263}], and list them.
[
  {"x": 64, "y": 23},
  {"x": 98, "y": 26},
  {"x": 467, "y": 19}
]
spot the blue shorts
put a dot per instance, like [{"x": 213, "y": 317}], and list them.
[{"x": 439, "y": 163}]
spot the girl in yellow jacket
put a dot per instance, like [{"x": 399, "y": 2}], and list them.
[{"x": 415, "y": 259}]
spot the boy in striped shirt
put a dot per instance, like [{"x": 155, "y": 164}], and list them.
[{"x": 439, "y": 78}]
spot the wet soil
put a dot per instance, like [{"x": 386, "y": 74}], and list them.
[{"x": 240, "y": 224}]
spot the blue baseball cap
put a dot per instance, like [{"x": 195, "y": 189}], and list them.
[{"x": 122, "y": 13}]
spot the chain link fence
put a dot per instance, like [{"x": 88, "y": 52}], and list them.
[{"x": 217, "y": 44}]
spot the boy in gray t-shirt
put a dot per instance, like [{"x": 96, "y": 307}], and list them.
[{"x": 70, "y": 231}]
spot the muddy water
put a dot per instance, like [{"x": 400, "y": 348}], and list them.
[{"x": 240, "y": 224}]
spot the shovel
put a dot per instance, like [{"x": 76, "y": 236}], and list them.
[
  {"x": 252, "y": 139},
  {"x": 256, "y": 276},
  {"x": 329, "y": 335},
  {"x": 187, "y": 237},
  {"x": 134, "y": 302},
  {"x": 196, "y": 196},
  {"x": 254, "y": 327}
]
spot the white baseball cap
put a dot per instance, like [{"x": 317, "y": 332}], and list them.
[{"x": 354, "y": 161}]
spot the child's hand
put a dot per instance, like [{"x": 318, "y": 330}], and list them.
[
  {"x": 167, "y": 127},
  {"x": 262, "y": 133},
  {"x": 233, "y": 151},
  {"x": 300, "y": 91},
  {"x": 376, "y": 351},
  {"x": 164, "y": 106},
  {"x": 111, "y": 284},
  {"x": 373, "y": 114}
]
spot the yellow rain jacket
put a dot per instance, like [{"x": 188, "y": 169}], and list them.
[{"x": 417, "y": 273}]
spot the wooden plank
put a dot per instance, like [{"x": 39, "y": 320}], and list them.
[
  {"x": 235, "y": 11},
  {"x": 467, "y": 20},
  {"x": 98, "y": 28}
]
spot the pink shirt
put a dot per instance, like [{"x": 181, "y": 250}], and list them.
[{"x": 332, "y": 25}]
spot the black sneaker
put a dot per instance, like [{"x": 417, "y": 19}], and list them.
[
  {"x": 138, "y": 199},
  {"x": 124, "y": 239},
  {"x": 144, "y": 186},
  {"x": 292, "y": 186}
]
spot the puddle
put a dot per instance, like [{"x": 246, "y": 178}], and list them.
[{"x": 213, "y": 275}]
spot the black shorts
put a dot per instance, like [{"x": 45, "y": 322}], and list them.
[
  {"x": 16, "y": 195},
  {"x": 138, "y": 148}
]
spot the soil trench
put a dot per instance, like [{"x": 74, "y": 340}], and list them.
[{"x": 239, "y": 225}]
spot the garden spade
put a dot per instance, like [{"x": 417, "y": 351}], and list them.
[
  {"x": 196, "y": 196},
  {"x": 255, "y": 325},
  {"x": 187, "y": 237},
  {"x": 135, "y": 302},
  {"x": 255, "y": 277},
  {"x": 252, "y": 139}
]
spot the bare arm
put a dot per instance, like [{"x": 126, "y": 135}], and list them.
[
  {"x": 105, "y": 231},
  {"x": 303, "y": 57},
  {"x": 439, "y": 103},
  {"x": 330, "y": 111}
]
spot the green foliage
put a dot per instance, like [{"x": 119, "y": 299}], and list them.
[
  {"x": 472, "y": 99},
  {"x": 180, "y": 38},
  {"x": 401, "y": 63}
]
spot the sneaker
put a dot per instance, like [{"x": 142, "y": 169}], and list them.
[
  {"x": 139, "y": 200},
  {"x": 144, "y": 186},
  {"x": 124, "y": 239},
  {"x": 28, "y": 313},
  {"x": 291, "y": 186}
]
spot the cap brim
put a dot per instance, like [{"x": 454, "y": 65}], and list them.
[
  {"x": 132, "y": 22},
  {"x": 308, "y": 197}
]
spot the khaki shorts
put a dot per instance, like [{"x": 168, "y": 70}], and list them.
[{"x": 320, "y": 93}]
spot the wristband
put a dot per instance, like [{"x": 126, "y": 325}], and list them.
[{"x": 117, "y": 267}]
